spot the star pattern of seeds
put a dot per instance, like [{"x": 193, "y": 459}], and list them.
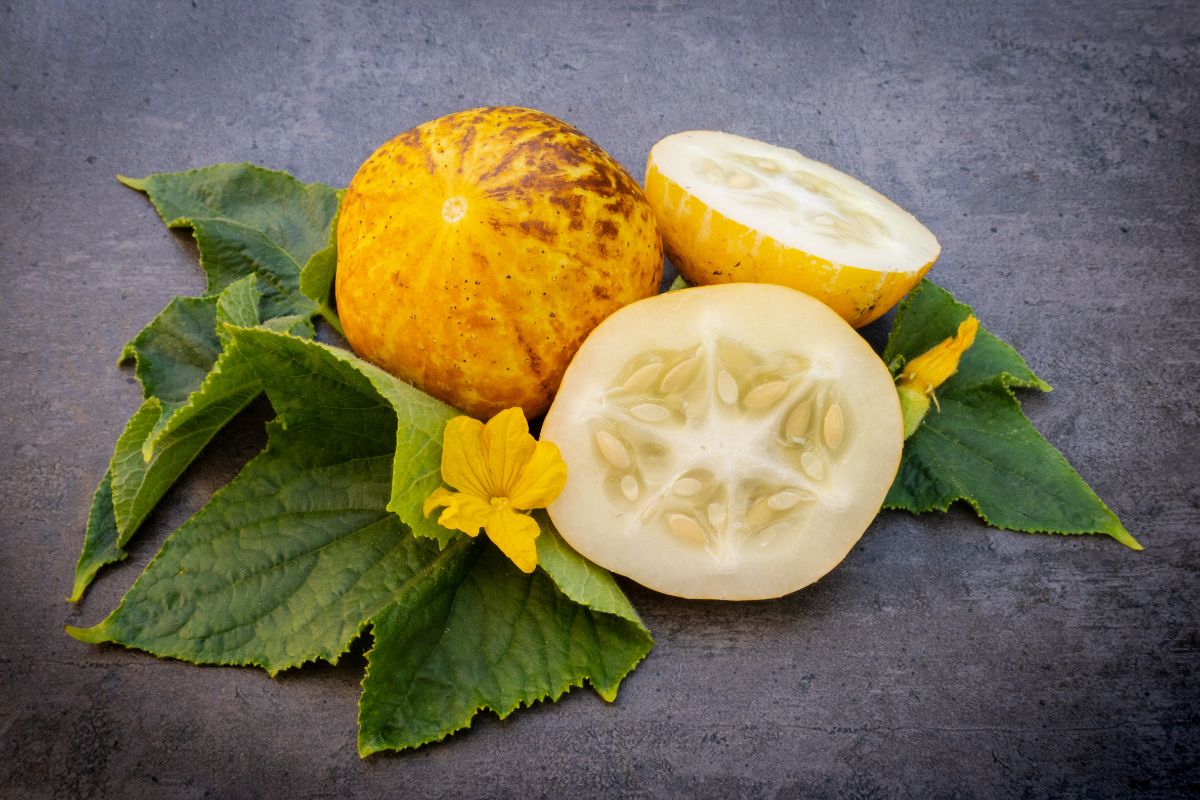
[{"x": 715, "y": 446}]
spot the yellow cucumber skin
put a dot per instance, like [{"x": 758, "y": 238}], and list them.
[
  {"x": 477, "y": 251},
  {"x": 708, "y": 247}
]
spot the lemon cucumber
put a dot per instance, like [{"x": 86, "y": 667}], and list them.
[
  {"x": 728, "y": 442},
  {"x": 735, "y": 209},
  {"x": 476, "y": 251}
]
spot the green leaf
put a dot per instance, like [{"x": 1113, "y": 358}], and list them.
[
  {"x": 317, "y": 278},
  {"x": 100, "y": 544},
  {"x": 149, "y": 458},
  {"x": 578, "y": 578},
  {"x": 284, "y": 565},
  {"x": 299, "y": 553},
  {"x": 930, "y": 314},
  {"x": 246, "y": 219},
  {"x": 979, "y": 447},
  {"x": 185, "y": 407},
  {"x": 481, "y": 634},
  {"x": 370, "y": 400},
  {"x": 238, "y": 305},
  {"x": 176, "y": 350},
  {"x": 254, "y": 227}
]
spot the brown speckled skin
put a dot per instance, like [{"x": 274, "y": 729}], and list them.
[{"x": 485, "y": 311}]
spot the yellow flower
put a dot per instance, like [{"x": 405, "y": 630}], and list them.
[
  {"x": 930, "y": 370},
  {"x": 934, "y": 367},
  {"x": 499, "y": 471}
]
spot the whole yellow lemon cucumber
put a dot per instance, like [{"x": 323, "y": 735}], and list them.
[
  {"x": 478, "y": 250},
  {"x": 733, "y": 209}
]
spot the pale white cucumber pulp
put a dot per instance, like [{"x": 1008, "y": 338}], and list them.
[
  {"x": 724, "y": 442},
  {"x": 798, "y": 202}
]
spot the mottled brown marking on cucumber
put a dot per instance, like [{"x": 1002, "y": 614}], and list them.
[
  {"x": 573, "y": 205},
  {"x": 503, "y": 193},
  {"x": 464, "y": 145},
  {"x": 570, "y": 203},
  {"x": 515, "y": 132},
  {"x": 570, "y": 155},
  {"x": 518, "y": 149},
  {"x": 535, "y": 363},
  {"x": 481, "y": 115},
  {"x": 410, "y": 138},
  {"x": 607, "y": 229},
  {"x": 538, "y": 229},
  {"x": 548, "y": 166}
]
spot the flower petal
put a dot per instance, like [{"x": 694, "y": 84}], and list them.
[
  {"x": 440, "y": 497},
  {"x": 464, "y": 512},
  {"x": 463, "y": 466},
  {"x": 542, "y": 480},
  {"x": 507, "y": 447},
  {"x": 934, "y": 367},
  {"x": 514, "y": 534}
]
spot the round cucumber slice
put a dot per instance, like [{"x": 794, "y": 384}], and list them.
[{"x": 723, "y": 442}]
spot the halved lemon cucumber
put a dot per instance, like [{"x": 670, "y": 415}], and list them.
[
  {"x": 733, "y": 209},
  {"x": 729, "y": 442}
]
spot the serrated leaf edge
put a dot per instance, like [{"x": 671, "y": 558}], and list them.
[
  {"x": 99, "y": 633},
  {"x": 1119, "y": 532},
  {"x": 609, "y": 694},
  {"x": 143, "y": 185}
]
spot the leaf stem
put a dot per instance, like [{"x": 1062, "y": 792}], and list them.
[{"x": 331, "y": 317}]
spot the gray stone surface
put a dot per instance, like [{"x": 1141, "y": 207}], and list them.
[{"x": 1054, "y": 149}]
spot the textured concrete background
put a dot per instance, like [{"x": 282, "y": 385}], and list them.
[{"x": 1056, "y": 153}]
